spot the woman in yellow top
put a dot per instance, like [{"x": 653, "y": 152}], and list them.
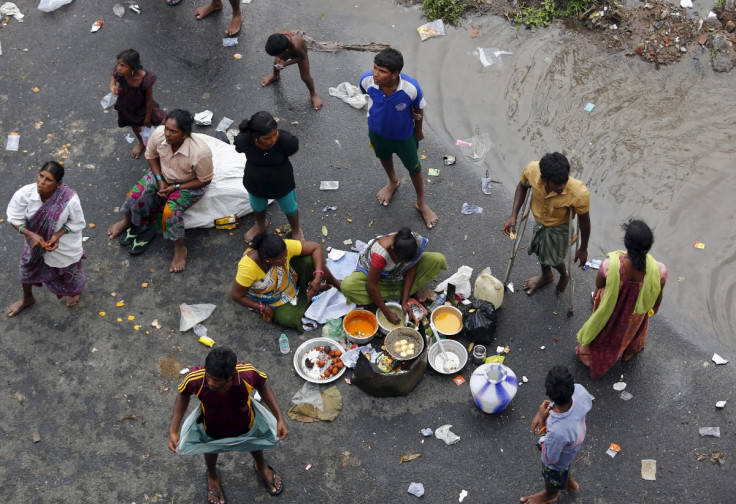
[{"x": 277, "y": 278}]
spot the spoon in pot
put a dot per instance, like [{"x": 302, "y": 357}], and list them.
[{"x": 443, "y": 353}]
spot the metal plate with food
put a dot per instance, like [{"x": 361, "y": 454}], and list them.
[
  {"x": 404, "y": 343},
  {"x": 318, "y": 360}
]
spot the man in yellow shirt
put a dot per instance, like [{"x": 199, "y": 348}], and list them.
[{"x": 554, "y": 193}]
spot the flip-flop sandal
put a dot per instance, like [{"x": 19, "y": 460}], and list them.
[
  {"x": 173, "y": 3},
  {"x": 208, "y": 492},
  {"x": 141, "y": 242},
  {"x": 271, "y": 481},
  {"x": 129, "y": 235}
]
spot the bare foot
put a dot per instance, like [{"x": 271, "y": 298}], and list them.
[
  {"x": 215, "y": 494},
  {"x": 117, "y": 229},
  {"x": 72, "y": 300},
  {"x": 255, "y": 230},
  {"x": 384, "y": 195},
  {"x": 562, "y": 284},
  {"x": 540, "y": 498},
  {"x": 534, "y": 283},
  {"x": 135, "y": 152},
  {"x": 316, "y": 102},
  {"x": 179, "y": 263},
  {"x": 297, "y": 235},
  {"x": 269, "y": 79},
  {"x": 203, "y": 12},
  {"x": 430, "y": 218},
  {"x": 234, "y": 27},
  {"x": 17, "y": 307},
  {"x": 572, "y": 485}
]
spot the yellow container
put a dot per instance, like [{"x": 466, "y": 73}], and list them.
[{"x": 206, "y": 341}]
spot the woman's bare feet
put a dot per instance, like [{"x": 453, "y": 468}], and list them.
[
  {"x": 234, "y": 26},
  {"x": 430, "y": 218},
  {"x": 179, "y": 263},
  {"x": 562, "y": 284},
  {"x": 386, "y": 193},
  {"x": 534, "y": 283},
  {"x": 117, "y": 229},
  {"x": 17, "y": 307},
  {"x": 540, "y": 498},
  {"x": 72, "y": 300},
  {"x": 255, "y": 230},
  {"x": 136, "y": 151},
  {"x": 269, "y": 79},
  {"x": 572, "y": 485},
  {"x": 316, "y": 102},
  {"x": 206, "y": 10}
]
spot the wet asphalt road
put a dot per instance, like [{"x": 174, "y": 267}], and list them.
[{"x": 93, "y": 389}]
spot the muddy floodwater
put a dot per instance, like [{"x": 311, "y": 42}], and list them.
[{"x": 658, "y": 144}]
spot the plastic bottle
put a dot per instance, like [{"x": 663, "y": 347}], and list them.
[
  {"x": 438, "y": 302},
  {"x": 284, "y": 344}
]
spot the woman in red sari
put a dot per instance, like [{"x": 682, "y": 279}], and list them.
[{"x": 628, "y": 291}]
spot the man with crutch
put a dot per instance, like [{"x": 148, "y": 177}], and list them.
[{"x": 554, "y": 192}]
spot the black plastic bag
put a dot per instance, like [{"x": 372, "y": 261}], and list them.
[{"x": 480, "y": 322}]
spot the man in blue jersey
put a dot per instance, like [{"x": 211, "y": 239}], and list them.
[{"x": 395, "y": 116}]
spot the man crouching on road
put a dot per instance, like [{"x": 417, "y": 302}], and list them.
[
  {"x": 227, "y": 419},
  {"x": 553, "y": 194}
]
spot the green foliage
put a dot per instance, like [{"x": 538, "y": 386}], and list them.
[
  {"x": 447, "y": 10},
  {"x": 549, "y": 10},
  {"x": 720, "y": 4}
]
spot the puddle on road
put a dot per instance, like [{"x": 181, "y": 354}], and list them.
[{"x": 658, "y": 145}]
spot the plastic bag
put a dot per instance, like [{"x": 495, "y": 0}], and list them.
[
  {"x": 490, "y": 56},
  {"x": 333, "y": 329},
  {"x": 52, "y": 5},
  {"x": 480, "y": 322},
  {"x": 477, "y": 148},
  {"x": 350, "y": 94},
  {"x": 460, "y": 279},
  {"x": 108, "y": 100},
  {"x": 309, "y": 393},
  {"x": 434, "y": 29},
  {"x": 192, "y": 315}
]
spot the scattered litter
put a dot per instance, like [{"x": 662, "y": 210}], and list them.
[
  {"x": 589, "y": 107},
  {"x": 10, "y": 9},
  {"x": 485, "y": 185},
  {"x": 500, "y": 349},
  {"x": 119, "y": 10},
  {"x": 445, "y": 434},
  {"x": 427, "y": 432},
  {"x": 448, "y": 160},
  {"x": 613, "y": 450},
  {"x": 712, "y": 15},
  {"x": 329, "y": 185},
  {"x": 350, "y": 94},
  {"x": 194, "y": 314},
  {"x": 96, "y": 25},
  {"x": 463, "y": 494},
  {"x": 649, "y": 469},
  {"x": 94, "y": 350},
  {"x": 681, "y": 278},
  {"x": 224, "y": 124},
  {"x": 309, "y": 466},
  {"x": 120, "y": 304},
  {"x": 129, "y": 138},
  {"x": 409, "y": 458},
  {"x": 490, "y": 56},
  {"x": 687, "y": 4},
  {"x": 324, "y": 230},
  {"x": 229, "y": 41},
  {"x": 524, "y": 379},
  {"x": 329, "y": 208},
  {"x": 348, "y": 242},
  {"x": 422, "y": 157},
  {"x": 699, "y": 245},
  {"x": 416, "y": 489},
  {"x": 433, "y": 172},
  {"x": 131, "y": 318},
  {"x": 719, "y": 360},
  {"x": 459, "y": 380},
  {"x": 156, "y": 324},
  {"x": 718, "y": 457},
  {"x": 619, "y": 386},
  {"x": 19, "y": 397},
  {"x": 710, "y": 431},
  {"x": 721, "y": 404},
  {"x": 52, "y": 5},
  {"x": 203, "y": 118},
  {"x": 144, "y": 285},
  {"x": 13, "y": 141},
  {"x": 433, "y": 29},
  {"x": 510, "y": 287},
  {"x": 184, "y": 371},
  {"x": 200, "y": 330},
  {"x": 626, "y": 396},
  {"x": 593, "y": 263},
  {"x": 102, "y": 314},
  {"x": 36, "y": 436},
  {"x": 207, "y": 341},
  {"x": 469, "y": 209},
  {"x": 135, "y": 8},
  {"x": 237, "y": 56},
  {"x": 463, "y": 143},
  {"x": 542, "y": 347},
  {"x": 35, "y": 89}
]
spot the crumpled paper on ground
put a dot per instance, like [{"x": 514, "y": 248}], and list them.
[
  {"x": 460, "y": 279},
  {"x": 445, "y": 434},
  {"x": 331, "y": 404},
  {"x": 10, "y": 9},
  {"x": 192, "y": 315},
  {"x": 350, "y": 94},
  {"x": 416, "y": 489},
  {"x": 203, "y": 118}
]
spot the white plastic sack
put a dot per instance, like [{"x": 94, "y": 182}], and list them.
[
  {"x": 52, "y": 5},
  {"x": 192, "y": 315},
  {"x": 10, "y": 9},
  {"x": 225, "y": 195},
  {"x": 108, "y": 101},
  {"x": 350, "y": 94},
  {"x": 460, "y": 279}
]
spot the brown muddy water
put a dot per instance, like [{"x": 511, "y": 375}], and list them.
[{"x": 658, "y": 145}]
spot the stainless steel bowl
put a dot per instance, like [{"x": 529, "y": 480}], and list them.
[
  {"x": 452, "y": 346},
  {"x": 381, "y": 327},
  {"x": 408, "y": 333},
  {"x": 369, "y": 316},
  {"x": 301, "y": 353}
]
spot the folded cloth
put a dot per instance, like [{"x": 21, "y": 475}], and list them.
[
  {"x": 343, "y": 265},
  {"x": 330, "y": 304}
]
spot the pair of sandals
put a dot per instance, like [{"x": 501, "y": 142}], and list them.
[
  {"x": 267, "y": 482},
  {"x": 137, "y": 239}
]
